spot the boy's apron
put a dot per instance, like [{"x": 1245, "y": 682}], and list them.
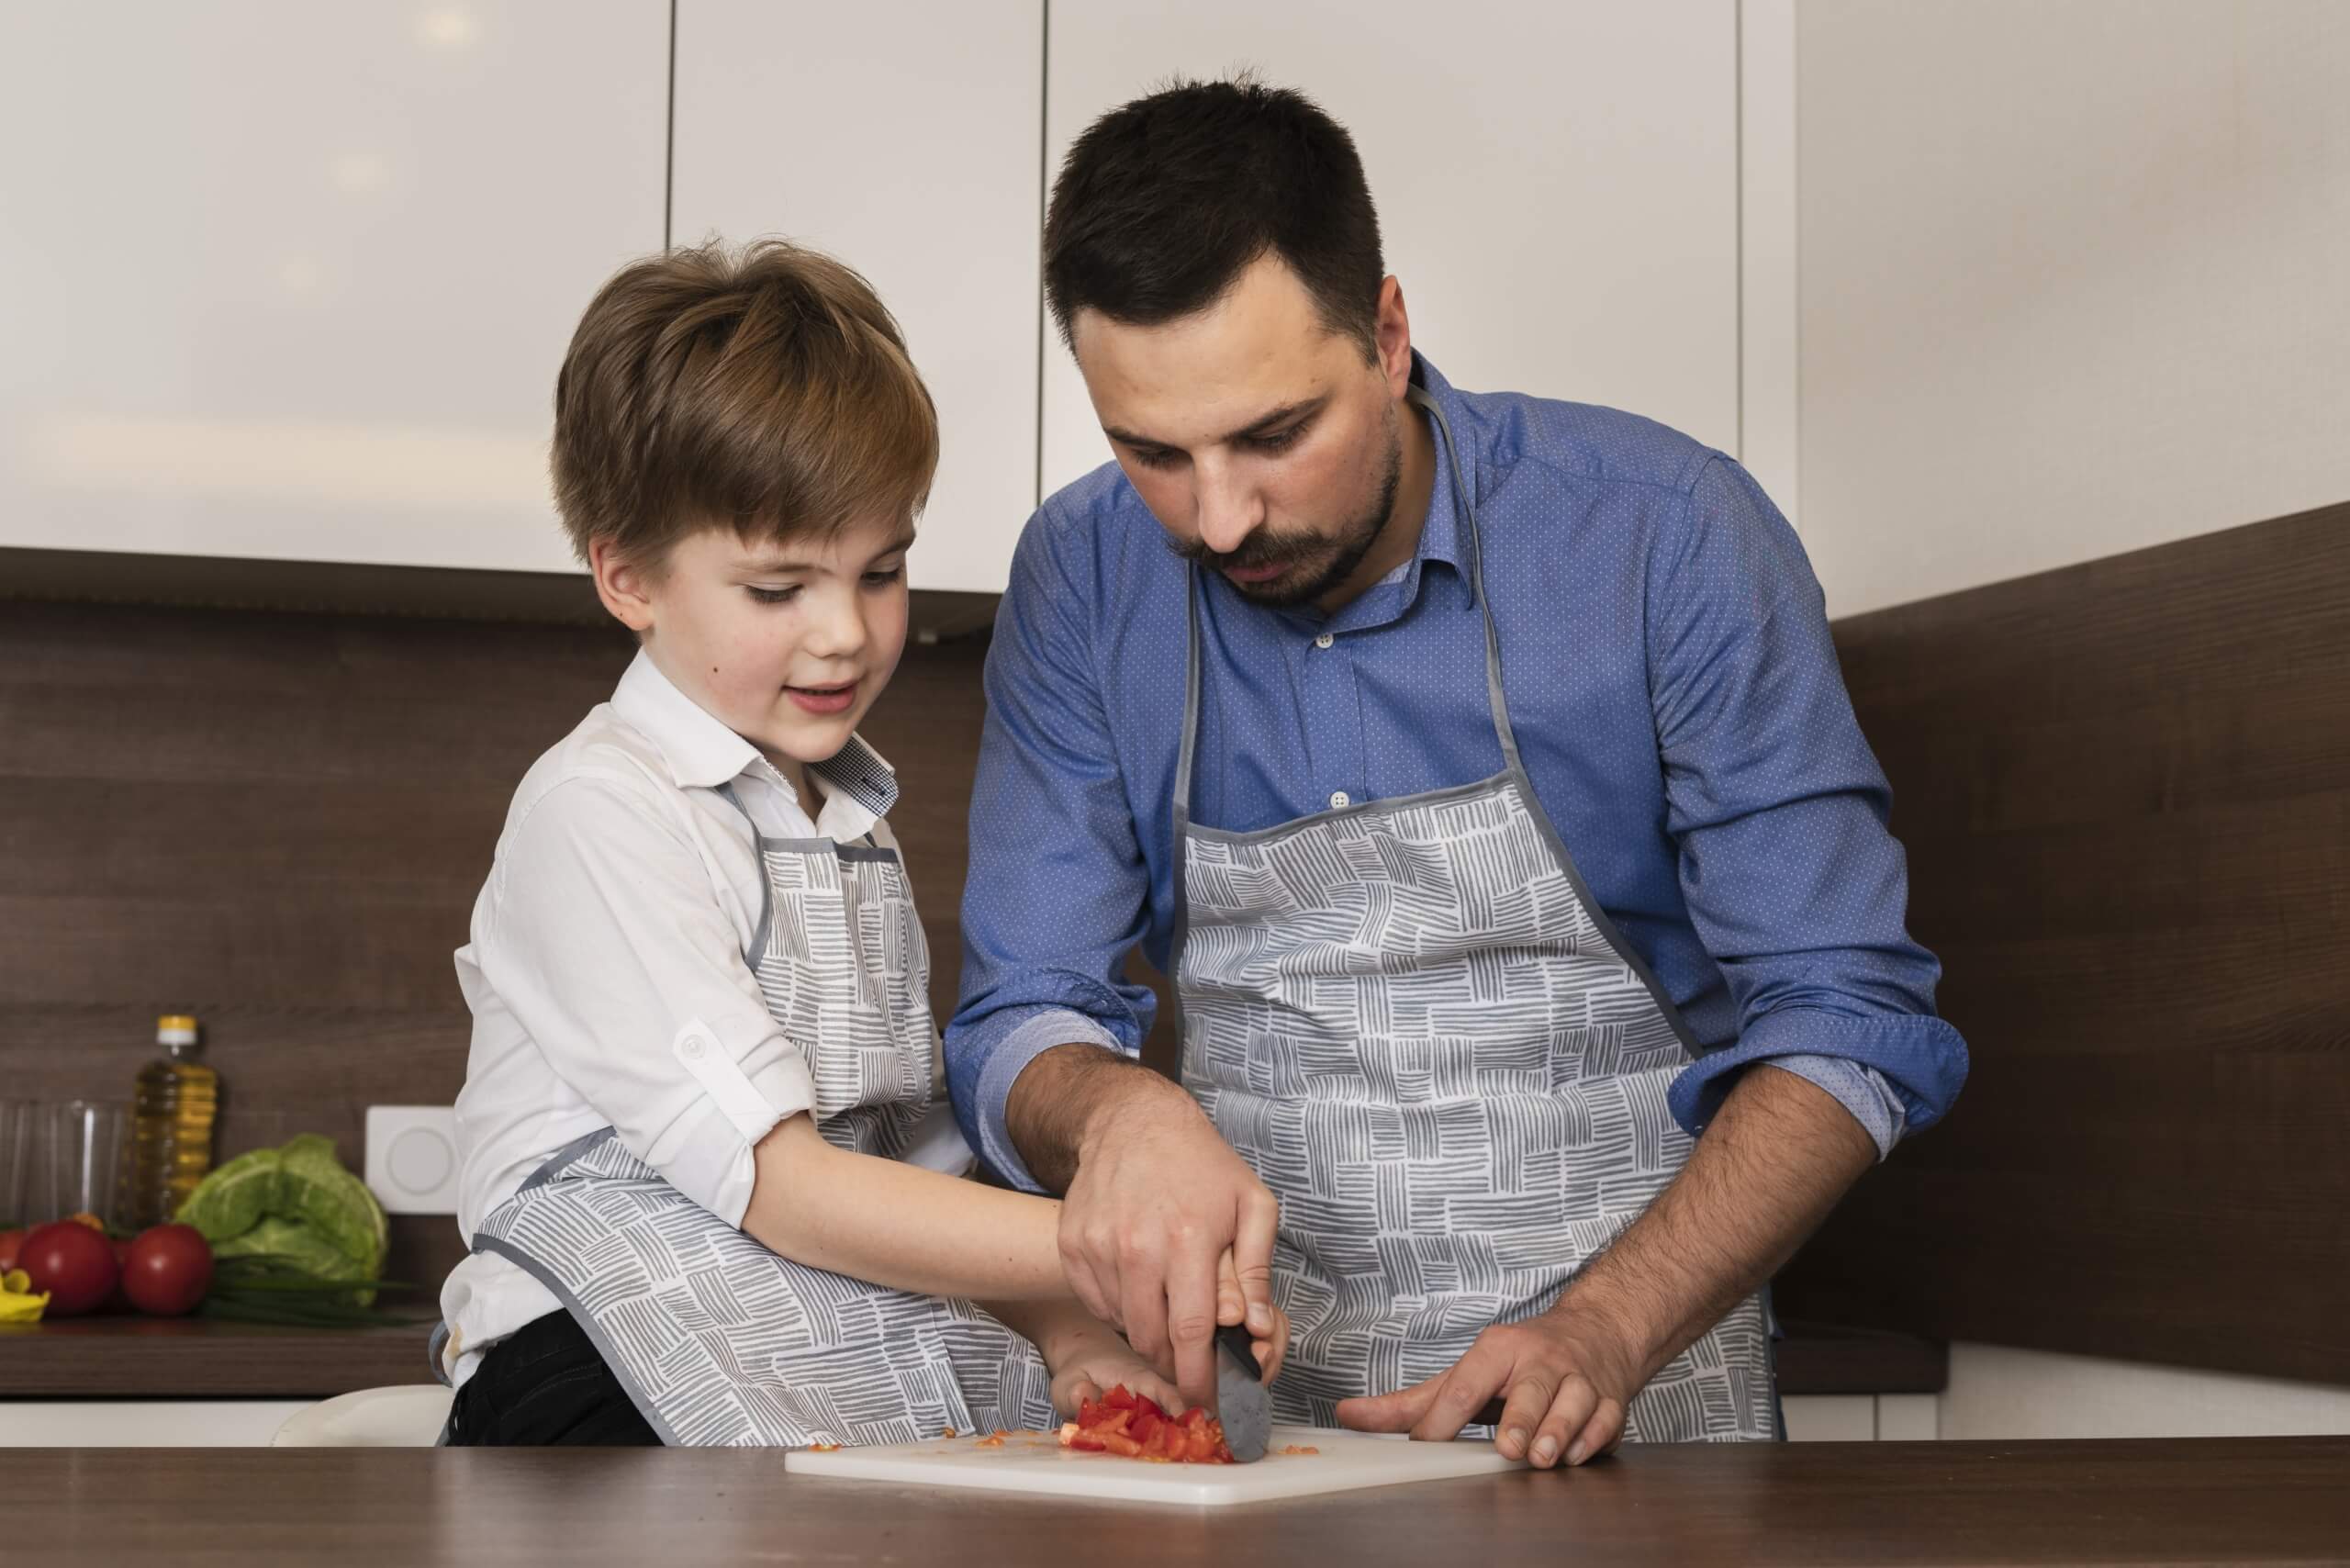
[
  {"x": 716, "y": 1339},
  {"x": 1412, "y": 1019}
]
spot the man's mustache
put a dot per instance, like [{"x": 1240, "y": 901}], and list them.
[{"x": 1257, "y": 553}]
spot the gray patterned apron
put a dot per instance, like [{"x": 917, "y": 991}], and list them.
[
  {"x": 719, "y": 1340},
  {"x": 1412, "y": 1019}
]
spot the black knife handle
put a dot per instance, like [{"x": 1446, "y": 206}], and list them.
[
  {"x": 1488, "y": 1415},
  {"x": 1234, "y": 1337}
]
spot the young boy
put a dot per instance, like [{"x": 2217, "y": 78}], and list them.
[{"x": 711, "y": 1194}]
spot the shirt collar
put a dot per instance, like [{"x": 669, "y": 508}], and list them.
[
  {"x": 703, "y": 754},
  {"x": 1439, "y": 529},
  {"x": 1440, "y": 534}
]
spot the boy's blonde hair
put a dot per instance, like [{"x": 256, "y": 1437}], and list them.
[{"x": 765, "y": 390}]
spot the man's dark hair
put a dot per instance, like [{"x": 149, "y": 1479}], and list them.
[{"x": 1163, "y": 203}]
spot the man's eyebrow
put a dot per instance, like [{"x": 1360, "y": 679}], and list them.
[{"x": 1255, "y": 427}]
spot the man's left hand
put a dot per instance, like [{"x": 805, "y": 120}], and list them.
[{"x": 1567, "y": 1375}]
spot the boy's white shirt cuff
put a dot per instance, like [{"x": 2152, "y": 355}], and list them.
[{"x": 706, "y": 1153}]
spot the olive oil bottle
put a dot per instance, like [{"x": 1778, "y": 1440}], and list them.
[{"x": 171, "y": 1118}]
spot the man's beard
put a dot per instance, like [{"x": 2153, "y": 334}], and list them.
[{"x": 1339, "y": 555}]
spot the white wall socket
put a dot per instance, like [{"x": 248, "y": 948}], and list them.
[{"x": 412, "y": 1158}]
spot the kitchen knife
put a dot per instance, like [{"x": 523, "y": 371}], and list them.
[{"x": 1240, "y": 1399}]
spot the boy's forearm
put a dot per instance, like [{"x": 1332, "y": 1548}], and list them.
[
  {"x": 1054, "y": 1328},
  {"x": 899, "y": 1225}
]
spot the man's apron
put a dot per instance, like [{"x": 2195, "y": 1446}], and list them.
[
  {"x": 716, "y": 1339},
  {"x": 1412, "y": 1019}
]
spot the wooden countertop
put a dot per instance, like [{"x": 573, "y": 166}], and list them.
[
  {"x": 143, "y": 1358},
  {"x": 195, "y": 1358},
  {"x": 2236, "y": 1500}
]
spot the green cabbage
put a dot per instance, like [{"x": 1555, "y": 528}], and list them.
[{"x": 296, "y": 1202}]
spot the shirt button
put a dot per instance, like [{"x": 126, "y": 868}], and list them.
[
  {"x": 692, "y": 1047},
  {"x": 1340, "y": 800},
  {"x": 1324, "y": 641}
]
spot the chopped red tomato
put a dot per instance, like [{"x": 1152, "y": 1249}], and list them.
[{"x": 1131, "y": 1424}]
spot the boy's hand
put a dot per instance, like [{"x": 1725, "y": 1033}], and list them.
[
  {"x": 1088, "y": 1361},
  {"x": 1089, "y": 1358}
]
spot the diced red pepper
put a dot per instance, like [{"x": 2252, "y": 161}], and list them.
[{"x": 1136, "y": 1426}]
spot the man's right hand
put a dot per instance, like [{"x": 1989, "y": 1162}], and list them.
[{"x": 1157, "y": 1202}]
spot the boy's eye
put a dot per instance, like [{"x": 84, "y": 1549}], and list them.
[
  {"x": 772, "y": 596},
  {"x": 1280, "y": 440},
  {"x": 1155, "y": 456},
  {"x": 881, "y": 577}
]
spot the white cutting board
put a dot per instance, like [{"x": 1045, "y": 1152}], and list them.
[{"x": 1032, "y": 1461}]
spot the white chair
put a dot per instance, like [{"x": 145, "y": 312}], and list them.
[{"x": 406, "y": 1418}]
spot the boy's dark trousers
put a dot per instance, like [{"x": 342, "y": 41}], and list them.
[{"x": 545, "y": 1384}]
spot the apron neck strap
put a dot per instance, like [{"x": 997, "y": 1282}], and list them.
[
  {"x": 1465, "y": 507},
  {"x": 735, "y": 800},
  {"x": 1192, "y": 588}
]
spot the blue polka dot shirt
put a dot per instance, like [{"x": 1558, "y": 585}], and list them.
[{"x": 1669, "y": 675}]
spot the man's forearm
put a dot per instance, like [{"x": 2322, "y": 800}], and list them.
[
  {"x": 1777, "y": 1158},
  {"x": 1056, "y": 1096}
]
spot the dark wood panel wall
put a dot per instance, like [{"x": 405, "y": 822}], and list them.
[
  {"x": 2124, "y": 786},
  {"x": 2125, "y": 791},
  {"x": 279, "y": 822}
]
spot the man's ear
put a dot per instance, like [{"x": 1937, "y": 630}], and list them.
[
  {"x": 1394, "y": 329},
  {"x": 623, "y": 584}
]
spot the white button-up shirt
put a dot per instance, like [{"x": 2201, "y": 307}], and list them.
[{"x": 607, "y": 980}]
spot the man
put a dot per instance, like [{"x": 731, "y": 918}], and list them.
[{"x": 1478, "y": 768}]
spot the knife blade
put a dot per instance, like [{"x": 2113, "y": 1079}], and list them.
[{"x": 1241, "y": 1401}]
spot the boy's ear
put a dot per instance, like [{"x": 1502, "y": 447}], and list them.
[{"x": 623, "y": 585}]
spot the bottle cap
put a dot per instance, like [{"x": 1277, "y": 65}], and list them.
[{"x": 175, "y": 1029}]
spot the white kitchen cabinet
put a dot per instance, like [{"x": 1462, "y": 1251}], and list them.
[
  {"x": 901, "y": 138},
  {"x": 1557, "y": 184},
  {"x": 1861, "y": 1418},
  {"x": 1829, "y": 1417},
  {"x": 143, "y": 1423},
  {"x": 292, "y": 281}
]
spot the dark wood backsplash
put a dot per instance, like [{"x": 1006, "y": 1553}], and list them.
[
  {"x": 2125, "y": 791},
  {"x": 2124, "y": 787},
  {"x": 279, "y": 822}
]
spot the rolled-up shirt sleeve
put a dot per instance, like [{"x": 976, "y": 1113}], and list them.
[
  {"x": 1792, "y": 880},
  {"x": 607, "y": 942},
  {"x": 1059, "y": 890}
]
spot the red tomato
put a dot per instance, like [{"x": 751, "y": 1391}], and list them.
[
  {"x": 116, "y": 1300},
  {"x": 167, "y": 1271},
  {"x": 11, "y": 1243},
  {"x": 73, "y": 1263}
]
